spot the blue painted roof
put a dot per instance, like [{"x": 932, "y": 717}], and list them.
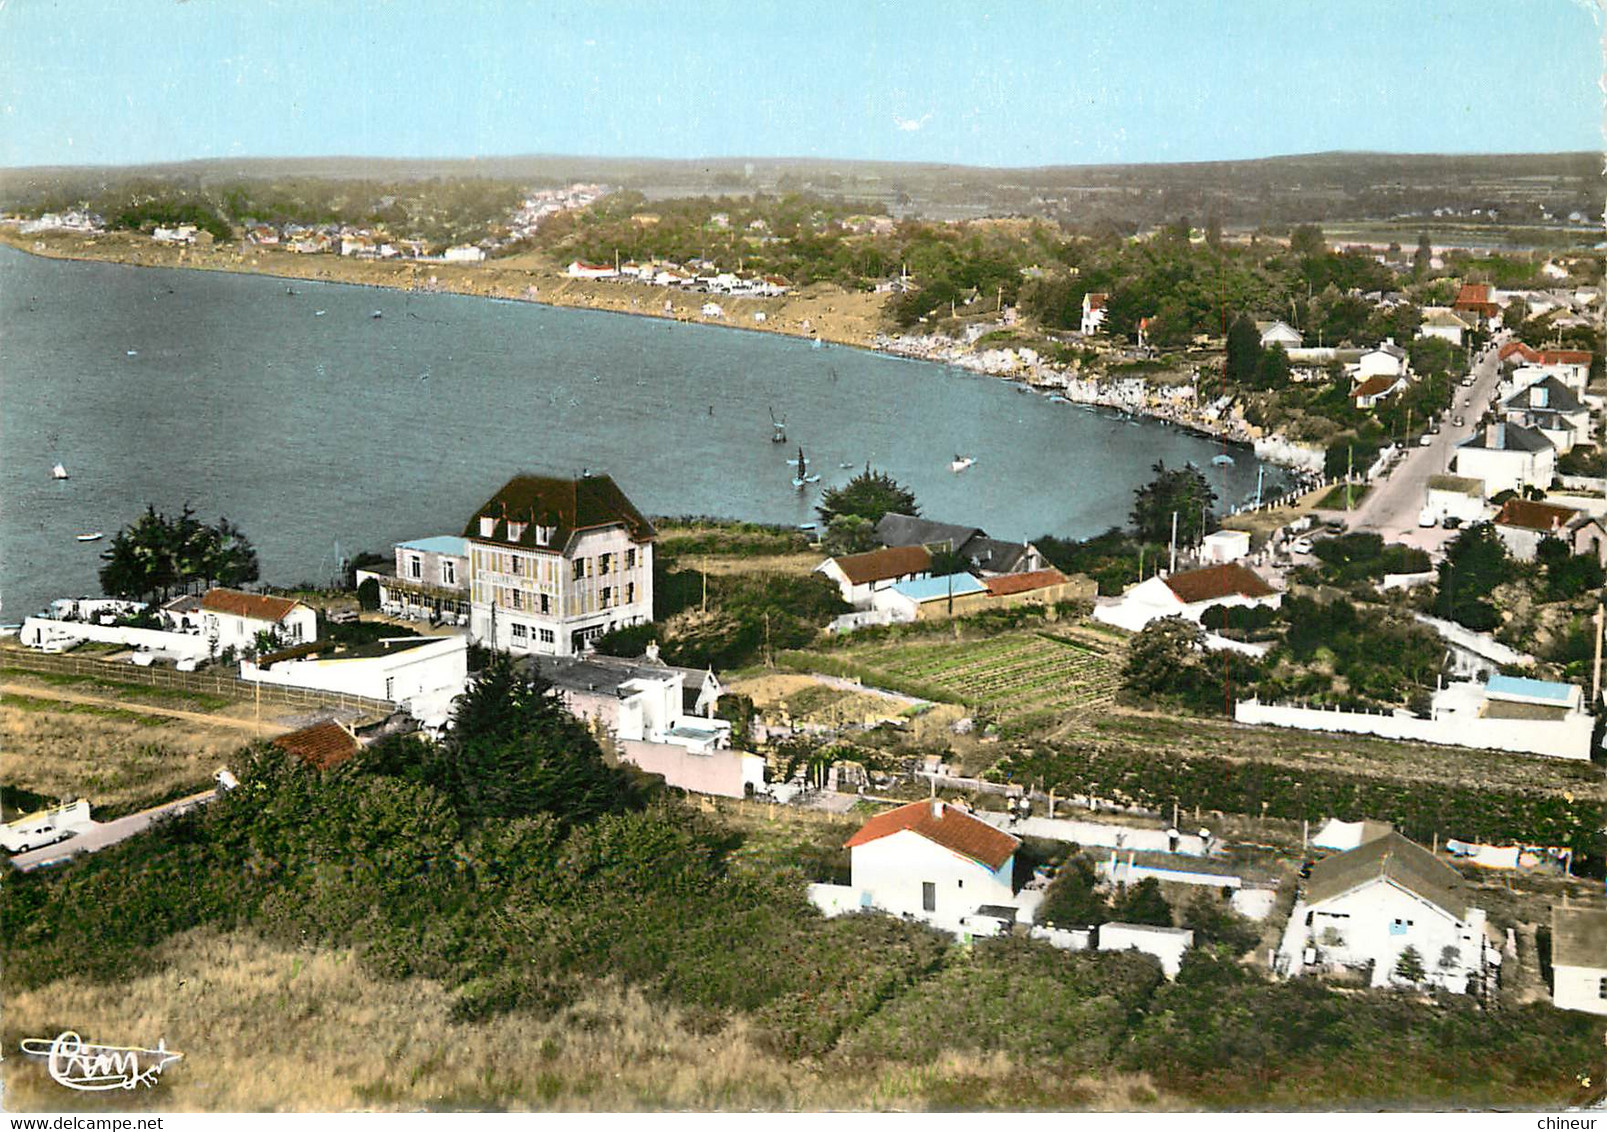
[
  {"x": 1535, "y": 689},
  {"x": 440, "y": 544},
  {"x": 925, "y": 589}
]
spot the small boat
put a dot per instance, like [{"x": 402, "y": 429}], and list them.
[
  {"x": 1057, "y": 399},
  {"x": 815, "y": 343},
  {"x": 318, "y": 314},
  {"x": 377, "y": 314},
  {"x": 132, "y": 353},
  {"x": 59, "y": 472},
  {"x": 778, "y": 434},
  {"x": 1222, "y": 461},
  {"x": 847, "y": 465},
  {"x": 291, "y": 291},
  {"x": 960, "y": 463},
  {"x": 90, "y": 537}
]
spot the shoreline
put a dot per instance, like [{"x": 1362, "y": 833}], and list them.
[{"x": 820, "y": 313}]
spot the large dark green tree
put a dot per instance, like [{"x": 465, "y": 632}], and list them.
[
  {"x": 1183, "y": 491},
  {"x": 155, "y": 556},
  {"x": 869, "y": 495},
  {"x": 1475, "y": 564},
  {"x": 1244, "y": 350},
  {"x": 515, "y": 750}
]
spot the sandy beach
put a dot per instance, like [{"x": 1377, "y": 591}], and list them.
[{"x": 820, "y": 311}]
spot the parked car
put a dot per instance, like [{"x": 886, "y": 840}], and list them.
[
  {"x": 1426, "y": 439},
  {"x": 1451, "y": 522},
  {"x": 1458, "y": 421},
  {"x": 45, "y": 827},
  {"x": 1427, "y": 518}
]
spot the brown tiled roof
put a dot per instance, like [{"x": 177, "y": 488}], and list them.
[
  {"x": 259, "y": 607},
  {"x": 1526, "y": 352},
  {"x": 879, "y": 565},
  {"x": 1473, "y": 295},
  {"x": 1218, "y": 581},
  {"x": 1565, "y": 357},
  {"x": 320, "y": 746},
  {"x": 1579, "y": 937},
  {"x": 569, "y": 505},
  {"x": 956, "y": 830},
  {"x": 1097, "y": 300},
  {"x": 1375, "y": 385},
  {"x": 1395, "y": 858},
  {"x": 1534, "y": 516},
  {"x": 1003, "y": 585}
]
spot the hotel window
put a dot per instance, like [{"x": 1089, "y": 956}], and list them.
[
  {"x": 580, "y": 569},
  {"x": 608, "y": 592},
  {"x": 546, "y": 603},
  {"x": 630, "y": 559},
  {"x": 603, "y": 562},
  {"x": 520, "y": 632},
  {"x": 518, "y": 599},
  {"x": 449, "y": 572},
  {"x": 630, "y": 593},
  {"x": 415, "y": 567},
  {"x": 548, "y": 637},
  {"x": 518, "y": 566}
]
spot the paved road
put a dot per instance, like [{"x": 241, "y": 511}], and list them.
[
  {"x": 1392, "y": 507},
  {"x": 101, "y": 834},
  {"x": 142, "y": 709}
]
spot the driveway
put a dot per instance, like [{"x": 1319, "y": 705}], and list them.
[
  {"x": 1392, "y": 506},
  {"x": 101, "y": 834}
]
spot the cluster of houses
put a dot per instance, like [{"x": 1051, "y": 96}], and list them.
[
  {"x": 698, "y": 275},
  {"x": 897, "y": 582}
]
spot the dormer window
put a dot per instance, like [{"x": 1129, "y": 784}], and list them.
[
  {"x": 544, "y": 535},
  {"x": 516, "y": 530},
  {"x": 488, "y": 525}
]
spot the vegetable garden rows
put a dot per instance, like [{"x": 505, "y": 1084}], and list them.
[{"x": 1006, "y": 676}]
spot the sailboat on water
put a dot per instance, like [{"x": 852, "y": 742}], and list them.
[
  {"x": 802, "y": 476},
  {"x": 778, "y": 434},
  {"x": 59, "y": 472}
]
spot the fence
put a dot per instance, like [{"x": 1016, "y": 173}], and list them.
[
  {"x": 1566, "y": 738},
  {"x": 199, "y": 683}
]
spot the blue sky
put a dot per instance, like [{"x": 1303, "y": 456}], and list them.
[{"x": 977, "y": 83}]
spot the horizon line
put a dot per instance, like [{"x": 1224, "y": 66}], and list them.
[{"x": 795, "y": 160}]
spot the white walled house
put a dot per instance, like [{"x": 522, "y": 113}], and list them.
[
  {"x": 934, "y": 862},
  {"x": 234, "y": 619},
  {"x": 1364, "y": 907},
  {"x": 1187, "y": 594},
  {"x": 423, "y": 674},
  {"x": 1279, "y": 333},
  {"x": 1579, "y": 959},
  {"x": 1507, "y": 457},
  {"x": 556, "y": 563},
  {"x": 1444, "y": 324},
  {"x": 1523, "y": 524},
  {"x": 1460, "y": 496},
  {"x": 1553, "y": 409},
  {"x": 641, "y": 700},
  {"x": 1387, "y": 360},
  {"x": 859, "y": 576},
  {"x": 1221, "y": 547},
  {"x": 464, "y": 253},
  {"x": 1093, "y": 311}
]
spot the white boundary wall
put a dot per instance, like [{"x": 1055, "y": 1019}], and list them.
[{"x": 1564, "y": 739}]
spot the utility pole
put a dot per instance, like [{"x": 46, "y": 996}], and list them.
[
  {"x": 1595, "y": 688},
  {"x": 1350, "y": 458},
  {"x": 1172, "y": 567}
]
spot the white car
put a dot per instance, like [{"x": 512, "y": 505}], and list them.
[
  {"x": 1300, "y": 546},
  {"x": 1427, "y": 518}
]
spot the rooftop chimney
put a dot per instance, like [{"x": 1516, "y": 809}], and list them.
[
  {"x": 937, "y": 808},
  {"x": 1495, "y": 435},
  {"x": 1539, "y": 396}
]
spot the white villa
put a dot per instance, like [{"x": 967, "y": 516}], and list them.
[
  {"x": 1187, "y": 594},
  {"x": 860, "y": 576},
  {"x": 1507, "y": 457},
  {"x": 422, "y": 674},
  {"x": 556, "y": 563}
]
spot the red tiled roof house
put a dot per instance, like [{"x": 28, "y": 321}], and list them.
[
  {"x": 859, "y": 576},
  {"x": 932, "y": 861},
  {"x": 234, "y": 619}
]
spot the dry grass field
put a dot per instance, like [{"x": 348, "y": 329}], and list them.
[
  {"x": 112, "y": 756},
  {"x": 263, "y": 1027}
]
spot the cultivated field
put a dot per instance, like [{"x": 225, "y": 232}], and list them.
[{"x": 1009, "y": 676}]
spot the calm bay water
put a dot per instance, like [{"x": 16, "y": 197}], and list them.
[{"x": 226, "y": 392}]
